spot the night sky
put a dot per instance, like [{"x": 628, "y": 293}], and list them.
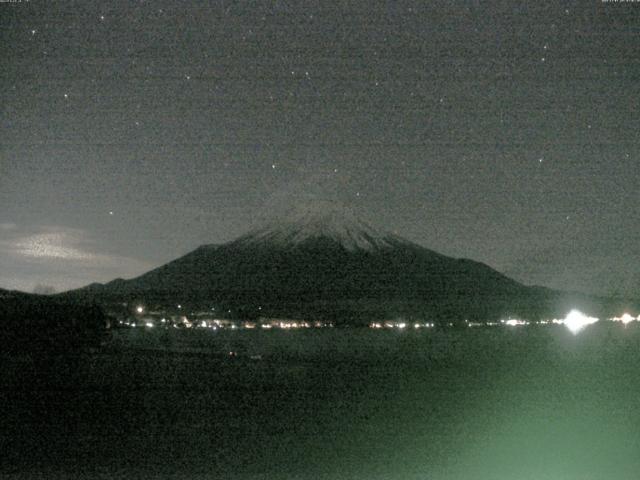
[{"x": 502, "y": 131}]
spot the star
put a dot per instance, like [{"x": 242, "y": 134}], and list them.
[
  {"x": 66, "y": 95},
  {"x": 102, "y": 18},
  {"x": 273, "y": 166},
  {"x": 33, "y": 32},
  {"x": 111, "y": 213}
]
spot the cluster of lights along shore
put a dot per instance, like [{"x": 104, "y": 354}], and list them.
[
  {"x": 575, "y": 321},
  {"x": 204, "y": 320}
]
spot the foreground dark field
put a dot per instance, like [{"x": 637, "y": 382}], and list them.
[{"x": 504, "y": 403}]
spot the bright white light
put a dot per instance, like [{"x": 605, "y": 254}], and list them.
[
  {"x": 149, "y": 324},
  {"x": 576, "y": 321},
  {"x": 626, "y": 318},
  {"x": 513, "y": 322},
  {"x": 402, "y": 325},
  {"x": 140, "y": 309}
]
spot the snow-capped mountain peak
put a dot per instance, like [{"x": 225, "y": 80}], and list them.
[{"x": 322, "y": 220}]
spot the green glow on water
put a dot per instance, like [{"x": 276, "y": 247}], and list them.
[{"x": 498, "y": 404}]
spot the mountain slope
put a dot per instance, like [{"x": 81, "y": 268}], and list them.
[{"x": 327, "y": 263}]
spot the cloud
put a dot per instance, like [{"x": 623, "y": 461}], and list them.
[
  {"x": 50, "y": 245},
  {"x": 60, "y": 256},
  {"x": 57, "y": 243}
]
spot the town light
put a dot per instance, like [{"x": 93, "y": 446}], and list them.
[
  {"x": 512, "y": 322},
  {"x": 625, "y": 319},
  {"x": 576, "y": 321}
]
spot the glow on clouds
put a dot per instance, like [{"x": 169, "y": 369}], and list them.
[
  {"x": 51, "y": 245},
  {"x": 56, "y": 243}
]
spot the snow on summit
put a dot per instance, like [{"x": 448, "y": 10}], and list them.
[{"x": 322, "y": 219}]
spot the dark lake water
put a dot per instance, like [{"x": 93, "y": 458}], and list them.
[{"x": 479, "y": 403}]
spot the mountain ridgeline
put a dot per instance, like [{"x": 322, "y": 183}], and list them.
[{"x": 327, "y": 264}]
